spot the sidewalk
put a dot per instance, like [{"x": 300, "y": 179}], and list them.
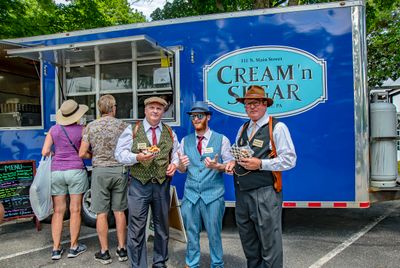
[{"x": 24, "y": 246}]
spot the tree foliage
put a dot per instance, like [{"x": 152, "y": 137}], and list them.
[
  {"x": 383, "y": 39},
  {"x": 383, "y": 27},
  {"x": 19, "y": 18},
  {"x": 23, "y": 18}
]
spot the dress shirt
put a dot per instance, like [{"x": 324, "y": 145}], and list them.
[
  {"x": 283, "y": 142},
  {"x": 225, "y": 147},
  {"x": 123, "y": 151}
]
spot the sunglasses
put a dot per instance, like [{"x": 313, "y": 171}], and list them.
[{"x": 199, "y": 116}]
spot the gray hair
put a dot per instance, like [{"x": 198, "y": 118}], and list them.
[{"x": 106, "y": 104}]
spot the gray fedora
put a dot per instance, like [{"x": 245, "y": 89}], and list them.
[{"x": 199, "y": 107}]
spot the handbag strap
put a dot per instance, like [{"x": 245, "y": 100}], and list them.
[
  {"x": 72, "y": 144},
  {"x": 271, "y": 137}
]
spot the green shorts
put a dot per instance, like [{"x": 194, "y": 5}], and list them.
[
  {"x": 109, "y": 189},
  {"x": 74, "y": 181}
]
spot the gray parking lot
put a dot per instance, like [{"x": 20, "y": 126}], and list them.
[{"x": 312, "y": 238}]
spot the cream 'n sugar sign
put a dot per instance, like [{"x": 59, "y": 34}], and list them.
[{"x": 293, "y": 78}]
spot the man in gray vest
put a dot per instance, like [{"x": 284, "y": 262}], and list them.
[
  {"x": 203, "y": 155},
  {"x": 150, "y": 181},
  {"x": 258, "y": 205}
]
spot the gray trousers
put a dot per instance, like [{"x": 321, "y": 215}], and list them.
[
  {"x": 259, "y": 220},
  {"x": 140, "y": 198}
]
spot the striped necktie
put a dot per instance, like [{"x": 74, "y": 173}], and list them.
[
  {"x": 153, "y": 135},
  {"x": 200, "y": 139}
]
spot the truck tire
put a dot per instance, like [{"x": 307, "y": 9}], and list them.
[{"x": 89, "y": 217}]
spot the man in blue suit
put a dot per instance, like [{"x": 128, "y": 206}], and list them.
[{"x": 203, "y": 155}]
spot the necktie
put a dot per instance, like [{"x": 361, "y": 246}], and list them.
[
  {"x": 253, "y": 131},
  {"x": 200, "y": 138},
  {"x": 153, "y": 135}
]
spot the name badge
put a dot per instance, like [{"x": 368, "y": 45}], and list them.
[
  {"x": 258, "y": 143},
  {"x": 141, "y": 146},
  {"x": 209, "y": 150}
]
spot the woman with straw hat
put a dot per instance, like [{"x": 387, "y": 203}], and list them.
[{"x": 68, "y": 175}]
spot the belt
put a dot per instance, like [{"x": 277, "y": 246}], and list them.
[{"x": 153, "y": 180}]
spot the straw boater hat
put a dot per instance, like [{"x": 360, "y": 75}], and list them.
[
  {"x": 256, "y": 92},
  {"x": 157, "y": 100},
  {"x": 70, "y": 112}
]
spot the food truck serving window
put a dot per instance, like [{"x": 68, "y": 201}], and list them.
[
  {"x": 20, "y": 102},
  {"x": 130, "y": 68}
]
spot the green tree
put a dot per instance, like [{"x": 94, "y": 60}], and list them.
[
  {"x": 26, "y": 17},
  {"x": 383, "y": 39},
  {"x": 83, "y": 14},
  {"x": 19, "y": 18}
]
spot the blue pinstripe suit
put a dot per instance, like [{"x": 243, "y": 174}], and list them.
[{"x": 203, "y": 201}]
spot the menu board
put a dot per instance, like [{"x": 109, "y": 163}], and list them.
[{"x": 15, "y": 180}]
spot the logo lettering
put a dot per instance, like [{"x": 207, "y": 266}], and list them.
[{"x": 293, "y": 78}]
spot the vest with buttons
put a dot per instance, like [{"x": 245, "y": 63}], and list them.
[
  {"x": 249, "y": 180},
  {"x": 155, "y": 168},
  {"x": 202, "y": 182}
]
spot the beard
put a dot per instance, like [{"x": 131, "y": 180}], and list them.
[{"x": 201, "y": 126}]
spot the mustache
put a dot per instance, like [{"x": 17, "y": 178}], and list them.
[{"x": 201, "y": 125}]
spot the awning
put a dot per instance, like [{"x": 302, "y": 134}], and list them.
[{"x": 132, "y": 47}]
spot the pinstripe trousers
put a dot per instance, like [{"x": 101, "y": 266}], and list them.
[
  {"x": 259, "y": 221},
  {"x": 211, "y": 215}
]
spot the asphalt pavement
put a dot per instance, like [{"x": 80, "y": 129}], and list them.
[{"x": 311, "y": 238}]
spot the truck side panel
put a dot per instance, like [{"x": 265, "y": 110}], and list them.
[{"x": 324, "y": 136}]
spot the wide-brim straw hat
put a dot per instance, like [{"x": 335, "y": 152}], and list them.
[
  {"x": 256, "y": 92},
  {"x": 156, "y": 100},
  {"x": 70, "y": 112}
]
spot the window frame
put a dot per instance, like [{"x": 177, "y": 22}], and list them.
[
  {"x": 42, "y": 69},
  {"x": 55, "y": 54},
  {"x": 136, "y": 92}
]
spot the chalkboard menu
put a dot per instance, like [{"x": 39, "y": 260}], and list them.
[{"x": 15, "y": 179}]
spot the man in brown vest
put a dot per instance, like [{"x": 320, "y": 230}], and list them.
[
  {"x": 150, "y": 181},
  {"x": 258, "y": 205}
]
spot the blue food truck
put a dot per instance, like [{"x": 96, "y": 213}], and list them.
[{"x": 310, "y": 59}]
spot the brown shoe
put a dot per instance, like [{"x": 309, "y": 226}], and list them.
[{"x": 186, "y": 266}]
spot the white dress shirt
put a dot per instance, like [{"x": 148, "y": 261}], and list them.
[
  {"x": 287, "y": 157},
  {"x": 225, "y": 147},
  {"x": 123, "y": 151}
]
